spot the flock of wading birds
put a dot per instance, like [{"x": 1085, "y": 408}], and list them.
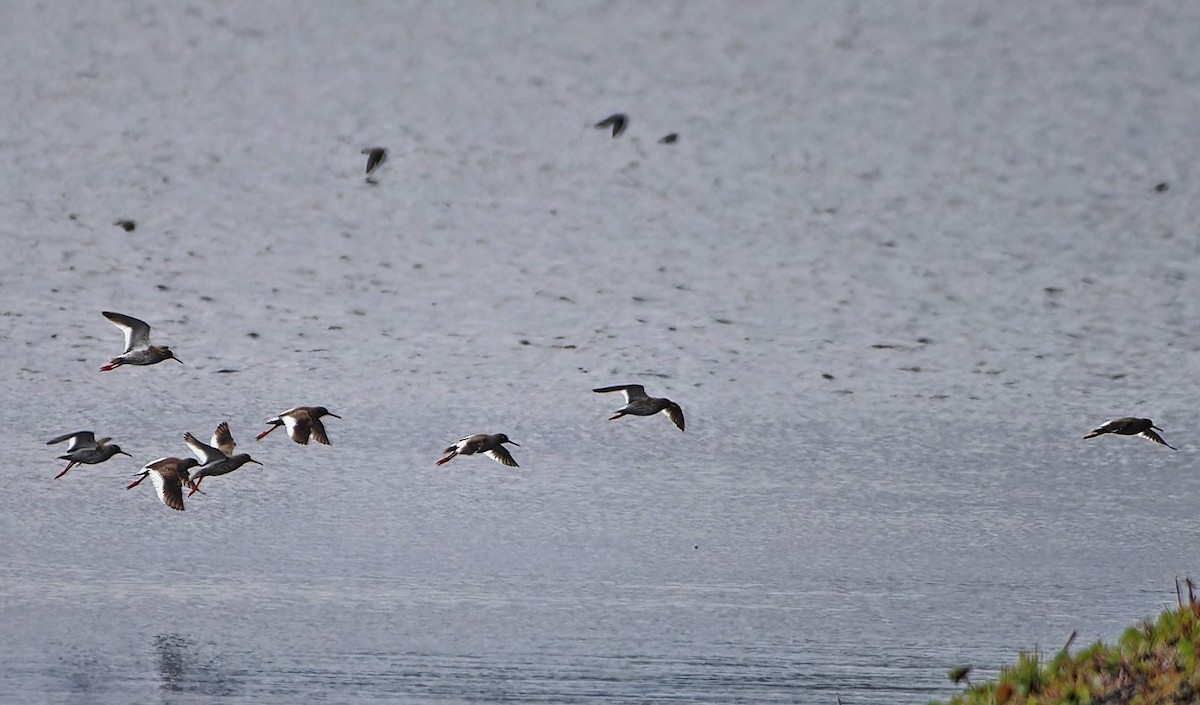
[{"x": 170, "y": 475}]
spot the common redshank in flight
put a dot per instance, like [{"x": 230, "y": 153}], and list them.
[
  {"x": 169, "y": 475},
  {"x": 213, "y": 461},
  {"x": 84, "y": 448},
  {"x": 490, "y": 445},
  {"x": 638, "y": 403},
  {"x": 302, "y": 423},
  {"x": 138, "y": 350},
  {"x": 1129, "y": 426}
]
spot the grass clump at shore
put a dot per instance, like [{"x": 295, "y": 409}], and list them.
[{"x": 1151, "y": 664}]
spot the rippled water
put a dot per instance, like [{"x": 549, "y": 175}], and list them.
[{"x": 899, "y": 261}]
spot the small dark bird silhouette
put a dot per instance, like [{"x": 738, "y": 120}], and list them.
[
  {"x": 128, "y": 225},
  {"x": 376, "y": 156},
  {"x": 616, "y": 120},
  {"x": 670, "y": 139},
  {"x": 1129, "y": 426}
]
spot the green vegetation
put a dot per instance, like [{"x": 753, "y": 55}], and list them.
[{"x": 1152, "y": 664}]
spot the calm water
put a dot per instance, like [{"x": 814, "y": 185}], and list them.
[{"x": 901, "y": 259}]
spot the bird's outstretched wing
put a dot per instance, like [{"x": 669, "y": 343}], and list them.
[
  {"x": 675, "y": 413},
  {"x": 204, "y": 452},
  {"x": 79, "y": 440},
  {"x": 137, "y": 332},
  {"x": 169, "y": 489},
  {"x": 1152, "y": 436},
  {"x": 222, "y": 439},
  {"x": 501, "y": 455},
  {"x": 631, "y": 391}
]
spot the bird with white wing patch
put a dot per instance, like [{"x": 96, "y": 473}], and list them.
[
  {"x": 638, "y": 403},
  {"x": 138, "y": 350},
  {"x": 491, "y": 445}
]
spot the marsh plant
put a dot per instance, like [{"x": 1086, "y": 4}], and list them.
[{"x": 1154, "y": 662}]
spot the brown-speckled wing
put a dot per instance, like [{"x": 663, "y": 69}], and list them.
[{"x": 222, "y": 439}]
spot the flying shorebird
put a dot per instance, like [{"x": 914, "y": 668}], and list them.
[
  {"x": 489, "y": 445},
  {"x": 84, "y": 448},
  {"x": 302, "y": 422},
  {"x": 138, "y": 350},
  {"x": 638, "y": 403},
  {"x": 1129, "y": 426},
  {"x": 616, "y": 120},
  {"x": 169, "y": 475},
  {"x": 212, "y": 460},
  {"x": 376, "y": 156}
]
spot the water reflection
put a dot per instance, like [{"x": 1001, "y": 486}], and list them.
[
  {"x": 83, "y": 677},
  {"x": 183, "y": 668},
  {"x": 172, "y": 666}
]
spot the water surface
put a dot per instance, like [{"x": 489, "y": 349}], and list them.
[{"x": 900, "y": 260}]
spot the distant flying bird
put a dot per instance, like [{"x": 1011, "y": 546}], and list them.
[
  {"x": 213, "y": 461},
  {"x": 138, "y": 350},
  {"x": 670, "y": 139},
  {"x": 1129, "y": 426},
  {"x": 84, "y": 448},
  {"x": 618, "y": 121},
  {"x": 489, "y": 445},
  {"x": 169, "y": 476},
  {"x": 638, "y": 403},
  {"x": 376, "y": 156},
  {"x": 302, "y": 422}
]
